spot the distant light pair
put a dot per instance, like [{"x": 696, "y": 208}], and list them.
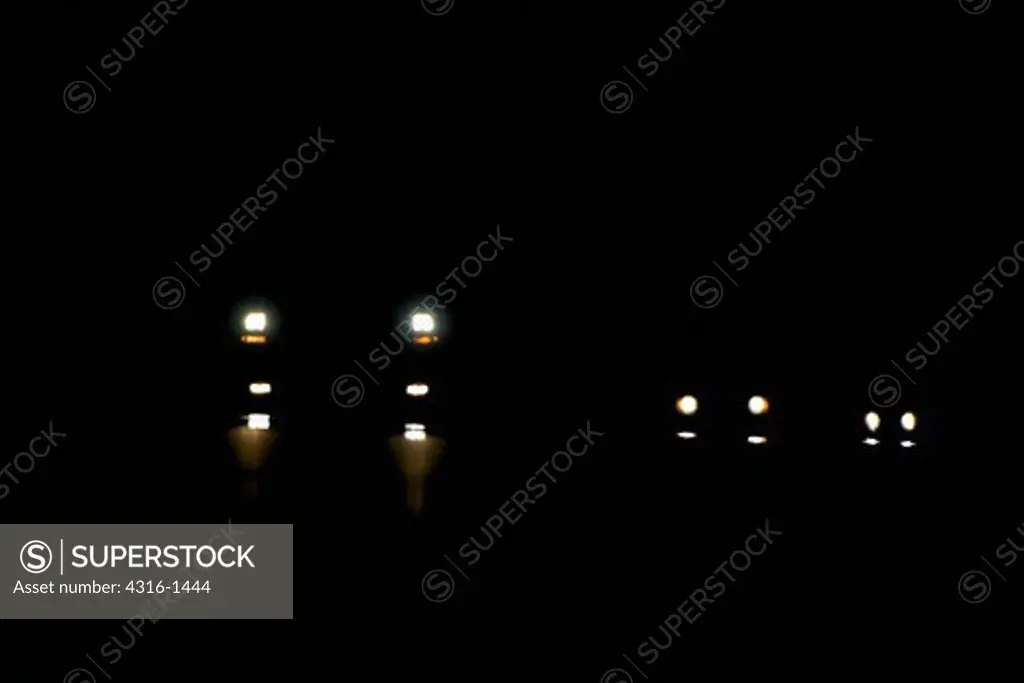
[
  {"x": 256, "y": 321},
  {"x": 757, "y": 405},
  {"x": 756, "y": 440},
  {"x": 908, "y": 421}
]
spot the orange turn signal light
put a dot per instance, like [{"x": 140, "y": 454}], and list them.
[
  {"x": 424, "y": 340},
  {"x": 254, "y": 339}
]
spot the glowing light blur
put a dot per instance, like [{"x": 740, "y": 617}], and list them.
[
  {"x": 424, "y": 340},
  {"x": 259, "y": 388},
  {"x": 423, "y": 322},
  {"x": 872, "y": 421},
  {"x": 871, "y": 441},
  {"x": 416, "y": 457},
  {"x": 259, "y": 421},
  {"x": 757, "y": 405},
  {"x": 414, "y": 427},
  {"x": 254, "y": 339},
  {"x": 907, "y": 444},
  {"x": 255, "y": 322},
  {"x": 687, "y": 405},
  {"x": 687, "y": 435},
  {"x": 417, "y": 390},
  {"x": 909, "y": 421},
  {"x": 415, "y": 435},
  {"x": 757, "y": 440},
  {"x": 251, "y": 446}
]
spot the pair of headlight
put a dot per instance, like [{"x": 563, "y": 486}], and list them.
[
  {"x": 757, "y": 405},
  {"x": 255, "y": 324},
  {"x": 908, "y": 421}
]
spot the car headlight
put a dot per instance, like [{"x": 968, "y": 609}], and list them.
[
  {"x": 259, "y": 421},
  {"x": 255, "y": 322},
  {"x": 687, "y": 405},
  {"x": 872, "y": 421},
  {"x": 908, "y": 421},
  {"x": 757, "y": 405},
  {"x": 422, "y": 322}
]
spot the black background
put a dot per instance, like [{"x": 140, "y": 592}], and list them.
[{"x": 446, "y": 127}]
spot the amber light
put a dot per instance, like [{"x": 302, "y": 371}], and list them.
[
  {"x": 254, "y": 339},
  {"x": 424, "y": 340}
]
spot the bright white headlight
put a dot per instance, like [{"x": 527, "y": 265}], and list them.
[
  {"x": 872, "y": 421},
  {"x": 259, "y": 388},
  {"x": 909, "y": 421},
  {"x": 687, "y": 405},
  {"x": 417, "y": 390},
  {"x": 687, "y": 435},
  {"x": 758, "y": 440},
  {"x": 422, "y": 322},
  {"x": 871, "y": 441},
  {"x": 907, "y": 444},
  {"x": 415, "y": 435},
  {"x": 757, "y": 405},
  {"x": 255, "y": 322},
  {"x": 259, "y": 421}
]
